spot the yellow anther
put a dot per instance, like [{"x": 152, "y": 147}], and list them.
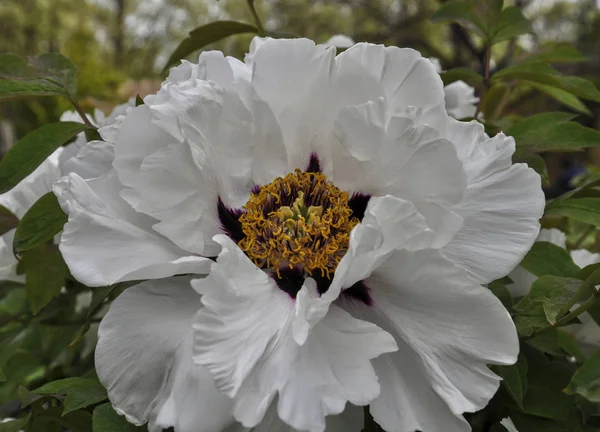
[{"x": 312, "y": 230}]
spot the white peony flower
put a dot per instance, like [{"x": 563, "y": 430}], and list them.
[
  {"x": 461, "y": 101},
  {"x": 335, "y": 225},
  {"x": 60, "y": 163},
  {"x": 588, "y": 332},
  {"x": 340, "y": 41},
  {"x": 460, "y": 98}
]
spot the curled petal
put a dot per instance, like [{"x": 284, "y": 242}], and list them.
[
  {"x": 118, "y": 244},
  {"x": 245, "y": 336},
  {"x": 501, "y": 208},
  {"x": 143, "y": 358},
  {"x": 448, "y": 329}
]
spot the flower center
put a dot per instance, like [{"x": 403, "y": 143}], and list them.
[{"x": 301, "y": 221}]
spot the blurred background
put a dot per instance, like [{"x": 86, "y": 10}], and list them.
[{"x": 121, "y": 47}]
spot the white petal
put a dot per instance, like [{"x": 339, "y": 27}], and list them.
[
  {"x": 340, "y": 41},
  {"x": 401, "y": 75},
  {"x": 378, "y": 156},
  {"x": 436, "y": 63},
  {"x": 461, "y": 101},
  {"x": 227, "y": 72},
  {"x": 144, "y": 360},
  {"x": 502, "y": 206},
  {"x": 137, "y": 138},
  {"x": 361, "y": 129},
  {"x": 105, "y": 241},
  {"x": 554, "y": 236},
  {"x": 244, "y": 336},
  {"x": 179, "y": 181},
  {"x": 256, "y": 43},
  {"x": 583, "y": 257},
  {"x": 433, "y": 173},
  {"x": 351, "y": 420},
  {"x": 70, "y": 151},
  {"x": 508, "y": 424},
  {"x": 448, "y": 328},
  {"x": 292, "y": 77},
  {"x": 389, "y": 224},
  {"x": 173, "y": 189},
  {"x": 269, "y": 157},
  {"x": 407, "y": 402},
  {"x": 92, "y": 160},
  {"x": 217, "y": 126}
]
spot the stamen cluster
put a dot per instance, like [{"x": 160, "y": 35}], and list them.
[{"x": 301, "y": 220}]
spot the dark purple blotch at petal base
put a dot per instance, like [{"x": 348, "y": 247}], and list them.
[
  {"x": 289, "y": 280},
  {"x": 357, "y": 292},
  {"x": 230, "y": 223},
  {"x": 358, "y": 204},
  {"x": 313, "y": 164}
]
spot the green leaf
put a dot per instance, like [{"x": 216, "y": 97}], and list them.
[
  {"x": 536, "y": 163},
  {"x": 545, "y": 258},
  {"x": 461, "y": 13},
  {"x": 592, "y": 181},
  {"x": 15, "y": 425},
  {"x": 546, "y": 342},
  {"x": 530, "y": 317},
  {"x": 558, "y": 54},
  {"x": 76, "y": 421},
  {"x": 514, "y": 379},
  {"x": 552, "y": 132},
  {"x": 541, "y": 366},
  {"x": 543, "y": 73},
  {"x": 494, "y": 99},
  {"x": 554, "y": 292},
  {"x": 570, "y": 345},
  {"x": 465, "y": 74},
  {"x": 41, "y": 223},
  {"x": 138, "y": 101},
  {"x": 2, "y": 377},
  {"x": 511, "y": 23},
  {"x": 207, "y": 34},
  {"x": 552, "y": 405},
  {"x": 45, "y": 273},
  {"x": 564, "y": 97},
  {"x": 26, "y": 397},
  {"x": 538, "y": 121},
  {"x": 499, "y": 289},
  {"x": 107, "y": 420},
  {"x": 8, "y": 220},
  {"x": 50, "y": 74},
  {"x": 12, "y": 303},
  {"x": 582, "y": 209},
  {"x": 279, "y": 34},
  {"x": 485, "y": 18},
  {"x": 530, "y": 423},
  {"x": 586, "y": 381},
  {"x": 29, "y": 152},
  {"x": 98, "y": 297},
  {"x": 79, "y": 392}
]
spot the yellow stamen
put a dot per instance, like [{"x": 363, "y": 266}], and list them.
[{"x": 314, "y": 237}]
